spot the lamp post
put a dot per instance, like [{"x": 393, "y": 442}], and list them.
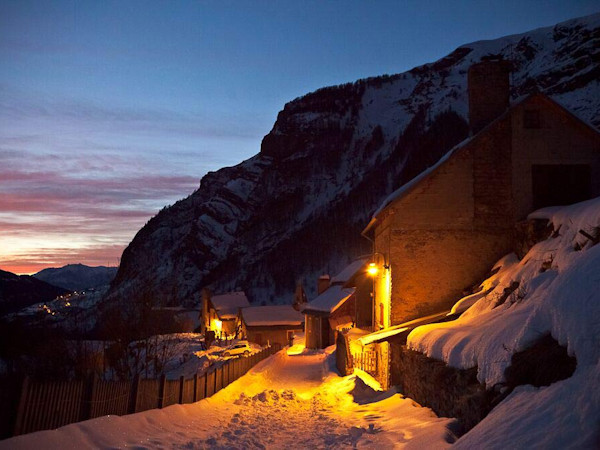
[{"x": 373, "y": 271}]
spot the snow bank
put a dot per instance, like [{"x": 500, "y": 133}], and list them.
[{"x": 558, "y": 294}]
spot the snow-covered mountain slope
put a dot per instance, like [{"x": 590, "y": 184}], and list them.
[
  {"x": 77, "y": 277},
  {"x": 296, "y": 209},
  {"x": 558, "y": 294}
]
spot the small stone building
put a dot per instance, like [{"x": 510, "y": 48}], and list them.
[
  {"x": 220, "y": 313},
  {"x": 343, "y": 302},
  {"x": 437, "y": 235},
  {"x": 277, "y": 324}
]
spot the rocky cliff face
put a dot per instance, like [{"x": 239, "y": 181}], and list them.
[{"x": 296, "y": 209}]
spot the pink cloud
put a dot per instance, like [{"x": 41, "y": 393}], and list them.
[
  {"x": 48, "y": 205},
  {"x": 57, "y": 257}
]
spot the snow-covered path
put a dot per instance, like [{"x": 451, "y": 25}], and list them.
[{"x": 283, "y": 402}]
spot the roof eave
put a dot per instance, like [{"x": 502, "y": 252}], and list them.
[{"x": 369, "y": 226}]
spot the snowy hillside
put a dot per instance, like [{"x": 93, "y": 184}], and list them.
[
  {"x": 77, "y": 277},
  {"x": 297, "y": 208},
  {"x": 558, "y": 294}
]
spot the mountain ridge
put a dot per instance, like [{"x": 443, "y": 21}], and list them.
[
  {"x": 296, "y": 208},
  {"x": 77, "y": 277}
]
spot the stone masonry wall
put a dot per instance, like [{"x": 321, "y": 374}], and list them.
[
  {"x": 432, "y": 268},
  {"x": 447, "y": 391},
  {"x": 492, "y": 177}
]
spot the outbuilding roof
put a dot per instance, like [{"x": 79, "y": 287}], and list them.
[
  {"x": 349, "y": 271},
  {"x": 227, "y": 305},
  {"x": 330, "y": 300},
  {"x": 262, "y": 316}
]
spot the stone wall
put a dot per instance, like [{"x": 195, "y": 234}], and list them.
[
  {"x": 431, "y": 269},
  {"x": 492, "y": 177},
  {"x": 447, "y": 391}
]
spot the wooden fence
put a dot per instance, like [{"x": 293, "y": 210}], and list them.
[
  {"x": 366, "y": 360},
  {"x": 47, "y": 405}
]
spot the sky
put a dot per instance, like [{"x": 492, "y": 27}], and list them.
[{"x": 111, "y": 110}]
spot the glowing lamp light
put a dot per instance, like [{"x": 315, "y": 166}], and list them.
[
  {"x": 372, "y": 269},
  {"x": 217, "y": 325}
]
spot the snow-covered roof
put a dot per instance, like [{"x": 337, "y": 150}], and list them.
[
  {"x": 330, "y": 300},
  {"x": 349, "y": 271},
  {"x": 228, "y": 305},
  {"x": 544, "y": 213},
  {"x": 381, "y": 334},
  {"x": 387, "y": 333},
  {"x": 262, "y": 316}
]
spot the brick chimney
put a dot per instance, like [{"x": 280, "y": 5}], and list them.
[
  {"x": 323, "y": 283},
  {"x": 489, "y": 92}
]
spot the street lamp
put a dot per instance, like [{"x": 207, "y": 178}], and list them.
[{"x": 372, "y": 270}]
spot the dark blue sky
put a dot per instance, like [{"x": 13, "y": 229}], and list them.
[{"x": 111, "y": 109}]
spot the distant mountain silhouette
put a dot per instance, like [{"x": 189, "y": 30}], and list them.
[
  {"x": 20, "y": 291},
  {"x": 77, "y": 277}
]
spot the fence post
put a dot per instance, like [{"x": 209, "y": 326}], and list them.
[
  {"x": 226, "y": 374},
  {"x": 86, "y": 401},
  {"x": 181, "y": 383},
  {"x": 195, "y": 397},
  {"x": 22, "y": 407},
  {"x": 161, "y": 390},
  {"x": 206, "y": 384},
  {"x": 133, "y": 394}
]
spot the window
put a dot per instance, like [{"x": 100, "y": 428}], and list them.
[
  {"x": 531, "y": 119},
  {"x": 560, "y": 184}
]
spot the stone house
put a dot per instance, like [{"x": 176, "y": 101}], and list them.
[
  {"x": 220, "y": 313},
  {"x": 277, "y": 324},
  {"x": 438, "y": 235},
  {"x": 343, "y": 302}
]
